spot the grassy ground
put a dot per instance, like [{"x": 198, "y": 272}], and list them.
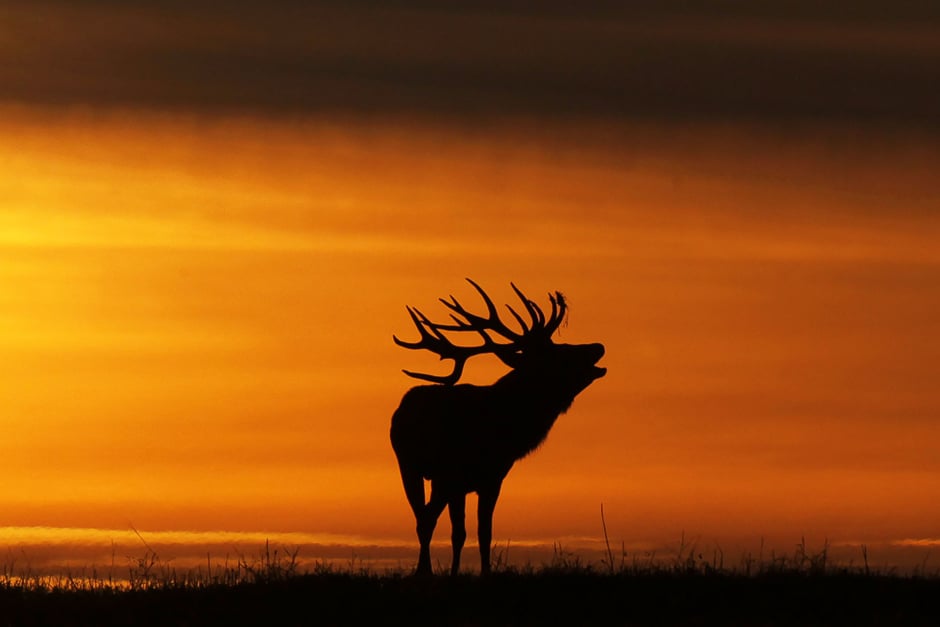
[
  {"x": 505, "y": 599},
  {"x": 800, "y": 589}
]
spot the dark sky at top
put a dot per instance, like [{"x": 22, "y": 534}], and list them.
[{"x": 777, "y": 62}]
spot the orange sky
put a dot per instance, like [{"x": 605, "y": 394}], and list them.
[{"x": 196, "y": 317}]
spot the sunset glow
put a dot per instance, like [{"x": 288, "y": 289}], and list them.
[{"x": 196, "y": 312}]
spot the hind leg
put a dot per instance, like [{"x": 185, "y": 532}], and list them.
[
  {"x": 414, "y": 491},
  {"x": 427, "y": 521}
]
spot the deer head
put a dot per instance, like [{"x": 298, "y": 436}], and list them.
[{"x": 529, "y": 351}]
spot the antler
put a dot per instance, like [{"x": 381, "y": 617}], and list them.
[{"x": 433, "y": 339}]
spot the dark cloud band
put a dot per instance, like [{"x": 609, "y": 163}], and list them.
[{"x": 413, "y": 59}]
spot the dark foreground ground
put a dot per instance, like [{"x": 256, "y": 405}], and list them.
[{"x": 545, "y": 598}]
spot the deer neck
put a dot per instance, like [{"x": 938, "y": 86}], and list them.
[
  {"x": 533, "y": 405},
  {"x": 538, "y": 392}
]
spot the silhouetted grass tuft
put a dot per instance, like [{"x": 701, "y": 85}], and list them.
[{"x": 686, "y": 588}]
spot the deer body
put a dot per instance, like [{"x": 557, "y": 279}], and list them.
[{"x": 466, "y": 438}]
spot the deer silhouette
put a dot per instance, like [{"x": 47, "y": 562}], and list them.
[{"x": 465, "y": 438}]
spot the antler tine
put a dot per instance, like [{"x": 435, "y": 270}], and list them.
[
  {"x": 525, "y": 327},
  {"x": 461, "y": 325},
  {"x": 559, "y": 310},
  {"x": 450, "y": 379},
  {"x": 418, "y": 318},
  {"x": 433, "y": 340},
  {"x": 535, "y": 312},
  {"x": 474, "y": 322},
  {"x": 490, "y": 306},
  {"x": 539, "y": 311}
]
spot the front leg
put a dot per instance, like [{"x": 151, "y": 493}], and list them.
[
  {"x": 456, "y": 507},
  {"x": 485, "y": 507}
]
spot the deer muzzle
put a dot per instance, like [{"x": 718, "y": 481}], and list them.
[{"x": 597, "y": 351}]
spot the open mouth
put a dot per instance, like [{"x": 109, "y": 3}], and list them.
[{"x": 599, "y": 371}]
